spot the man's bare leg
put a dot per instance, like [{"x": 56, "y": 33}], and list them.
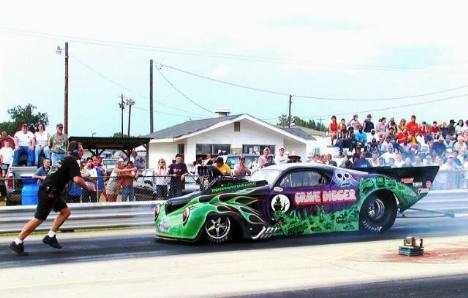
[
  {"x": 61, "y": 218},
  {"x": 29, "y": 227}
]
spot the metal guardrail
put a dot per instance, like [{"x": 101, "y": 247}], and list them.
[{"x": 84, "y": 216}]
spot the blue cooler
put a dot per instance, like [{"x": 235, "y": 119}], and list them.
[{"x": 29, "y": 191}]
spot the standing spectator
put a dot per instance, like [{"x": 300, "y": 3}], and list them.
[
  {"x": 42, "y": 172},
  {"x": 113, "y": 186},
  {"x": 332, "y": 129},
  {"x": 402, "y": 125},
  {"x": 100, "y": 172},
  {"x": 222, "y": 167},
  {"x": 178, "y": 171},
  {"x": 42, "y": 142},
  {"x": 368, "y": 125},
  {"x": 58, "y": 144},
  {"x": 354, "y": 122},
  {"x": 24, "y": 143},
  {"x": 380, "y": 126},
  {"x": 412, "y": 127},
  {"x": 89, "y": 174},
  {"x": 392, "y": 125},
  {"x": 6, "y": 156},
  {"x": 129, "y": 175},
  {"x": 263, "y": 159},
  {"x": 161, "y": 179},
  {"x": 241, "y": 169},
  {"x": 282, "y": 157}
]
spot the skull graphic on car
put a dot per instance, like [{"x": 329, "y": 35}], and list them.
[{"x": 344, "y": 179}]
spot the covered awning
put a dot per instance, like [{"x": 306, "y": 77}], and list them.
[{"x": 97, "y": 145}]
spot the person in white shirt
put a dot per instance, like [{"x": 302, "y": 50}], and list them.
[
  {"x": 6, "y": 155},
  {"x": 282, "y": 157},
  {"x": 389, "y": 154},
  {"x": 24, "y": 143},
  {"x": 162, "y": 181},
  {"x": 42, "y": 143}
]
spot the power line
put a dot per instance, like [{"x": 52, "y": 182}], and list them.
[
  {"x": 209, "y": 54},
  {"x": 309, "y": 96},
  {"x": 109, "y": 79},
  {"x": 182, "y": 93}
]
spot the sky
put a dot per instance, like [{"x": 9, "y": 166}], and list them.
[{"x": 393, "y": 59}]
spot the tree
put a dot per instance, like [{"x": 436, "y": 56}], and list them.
[
  {"x": 283, "y": 120},
  {"x": 19, "y": 115},
  {"x": 119, "y": 135}
]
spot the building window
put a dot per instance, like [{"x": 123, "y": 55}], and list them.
[
  {"x": 214, "y": 149},
  {"x": 257, "y": 149},
  {"x": 237, "y": 126},
  {"x": 180, "y": 148}
]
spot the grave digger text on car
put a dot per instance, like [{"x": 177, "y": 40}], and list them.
[{"x": 293, "y": 199}]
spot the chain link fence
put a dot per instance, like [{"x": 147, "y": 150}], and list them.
[{"x": 23, "y": 190}]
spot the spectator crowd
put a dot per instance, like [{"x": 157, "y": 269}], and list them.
[{"x": 404, "y": 144}]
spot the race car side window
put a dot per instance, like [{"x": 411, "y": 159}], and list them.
[{"x": 303, "y": 179}]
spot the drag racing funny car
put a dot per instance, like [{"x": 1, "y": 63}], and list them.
[{"x": 293, "y": 199}]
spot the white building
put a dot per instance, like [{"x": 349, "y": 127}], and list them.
[{"x": 227, "y": 134}]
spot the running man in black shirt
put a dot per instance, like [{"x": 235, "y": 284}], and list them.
[{"x": 51, "y": 197}]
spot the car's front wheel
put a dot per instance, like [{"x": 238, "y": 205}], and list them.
[
  {"x": 378, "y": 213},
  {"x": 218, "y": 229}
]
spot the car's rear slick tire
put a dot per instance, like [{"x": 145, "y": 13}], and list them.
[
  {"x": 378, "y": 213},
  {"x": 218, "y": 229}
]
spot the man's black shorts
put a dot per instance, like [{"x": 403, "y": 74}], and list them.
[{"x": 48, "y": 201}]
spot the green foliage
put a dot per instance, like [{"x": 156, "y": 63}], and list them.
[
  {"x": 119, "y": 135},
  {"x": 283, "y": 121},
  {"x": 19, "y": 115}
]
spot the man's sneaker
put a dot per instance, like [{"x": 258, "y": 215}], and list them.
[
  {"x": 52, "y": 241},
  {"x": 18, "y": 249}
]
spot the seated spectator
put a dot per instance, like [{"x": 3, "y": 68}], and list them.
[
  {"x": 263, "y": 160},
  {"x": 412, "y": 127},
  {"x": 342, "y": 128},
  {"x": 389, "y": 154},
  {"x": 241, "y": 170},
  {"x": 428, "y": 161},
  {"x": 346, "y": 162},
  {"x": 407, "y": 163},
  {"x": 459, "y": 127},
  {"x": 347, "y": 140},
  {"x": 380, "y": 126},
  {"x": 402, "y": 125},
  {"x": 423, "y": 129},
  {"x": 391, "y": 163},
  {"x": 385, "y": 144},
  {"x": 417, "y": 161},
  {"x": 42, "y": 143},
  {"x": 361, "y": 162},
  {"x": 392, "y": 125},
  {"x": 6, "y": 156},
  {"x": 24, "y": 143},
  {"x": 449, "y": 142},
  {"x": 439, "y": 148},
  {"x": 451, "y": 127},
  {"x": 333, "y": 129},
  {"x": 42, "y": 172},
  {"x": 372, "y": 147},
  {"x": 374, "y": 161},
  {"x": 460, "y": 146},
  {"x": 381, "y": 162},
  {"x": 5, "y": 137},
  {"x": 401, "y": 136},
  {"x": 354, "y": 122},
  {"x": 360, "y": 137},
  {"x": 434, "y": 129},
  {"x": 329, "y": 160},
  {"x": 399, "y": 161}
]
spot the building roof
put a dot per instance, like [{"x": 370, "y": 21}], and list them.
[
  {"x": 298, "y": 131},
  {"x": 189, "y": 127}
]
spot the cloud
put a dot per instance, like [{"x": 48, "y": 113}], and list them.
[{"x": 220, "y": 71}]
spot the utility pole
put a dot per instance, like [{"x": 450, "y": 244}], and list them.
[
  {"x": 151, "y": 96},
  {"x": 65, "y": 116},
  {"x": 122, "y": 107},
  {"x": 289, "y": 115},
  {"x": 320, "y": 121},
  {"x": 130, "y": 103}
]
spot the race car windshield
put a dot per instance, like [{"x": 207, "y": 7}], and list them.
[{"x": 270, "y": 175}]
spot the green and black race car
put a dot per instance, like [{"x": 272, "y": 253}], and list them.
[{"x": 293, "y": 199}]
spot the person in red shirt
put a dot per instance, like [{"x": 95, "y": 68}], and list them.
[
  {"x": 412, "y": 127},
  {"x": 434, "y": 129},
  {"x": 401, "y": 136},
  {"x": 333, "y": 129}
]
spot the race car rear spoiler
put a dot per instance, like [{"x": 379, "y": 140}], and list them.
[{"x": 419, "y": 178}]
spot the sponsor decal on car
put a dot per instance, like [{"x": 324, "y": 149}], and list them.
[
  {"x": 233, "y": 187},
  {"x": 163, "y": 226},
  {"x": 325, "y": 197},
  {"x": 407, "y": 180}
]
